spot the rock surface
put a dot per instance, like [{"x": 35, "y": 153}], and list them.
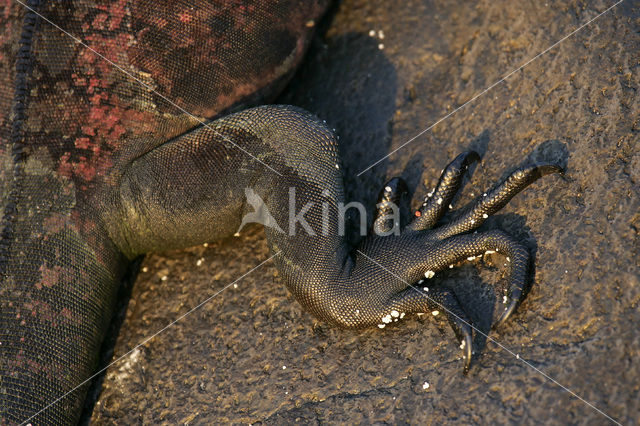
[{"x": 380, "y": 74}]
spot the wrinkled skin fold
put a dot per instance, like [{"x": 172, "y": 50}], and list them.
[{"x": 108, "y": 152}]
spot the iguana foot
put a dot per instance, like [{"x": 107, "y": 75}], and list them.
[{"x": 413, "y": 256}]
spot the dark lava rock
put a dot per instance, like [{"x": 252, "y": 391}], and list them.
[{"x": 251, "y": 354}]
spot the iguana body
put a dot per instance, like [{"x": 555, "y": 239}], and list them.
[
  {"x": 71, "y": 123},
  {"x": 105, "y": 157}
]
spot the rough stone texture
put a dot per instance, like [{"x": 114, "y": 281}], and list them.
[{"x": 578, "y": 103}]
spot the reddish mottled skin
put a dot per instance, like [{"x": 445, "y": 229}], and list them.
[{"x": 85, "y": 120}]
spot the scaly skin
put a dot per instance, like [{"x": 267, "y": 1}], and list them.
[
  {"x": 70, "y": 123},
  {"x": 98, "y": 169}
]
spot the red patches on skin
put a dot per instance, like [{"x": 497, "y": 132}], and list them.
[
  {"x": 43, "y": 312},
  {"x": 112, "y": 118},
  {"x": 182, "y": 49},
  {"x": 82, "y": 143},
  {"x": 93, "y": 83},
  {"x": 78, "y": 81},
  {"x": 51, "y": 370},
  {"x": 99, "y": 21},
  {"x": 88, "y": 130},
  {"x": 50, "y": 276},
  {"x": 7, "y": 8},
  {"x": 66, "y": 313},
  {"x": 95, "y": 99},
  {"x": 185, "y": 17},
  {"x": 84, "y": 170},
  {"x": 90, "y": 231},
  {"x": 118, "y": 131},
  {"x": 101, "y": 122},
  {"x": 161, "y": 23},
  {"x": 54, "y": 224},
  {"x": 117, "y": 13},
  {"x": 64, "y": 167}
]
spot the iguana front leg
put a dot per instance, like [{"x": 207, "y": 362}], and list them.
[{"x": 191, "y": 190}]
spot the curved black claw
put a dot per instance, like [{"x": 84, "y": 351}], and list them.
[
  {"x": 446, "y": 302},
  {"x": 467, "y": 351},
  {"x": 462, "y": 329},
  {"x": 387, "y": 213},
  {"x": 459, "y": 322},
  {"x": 437, "y": 202},
  {"x": 508, "y": 310}
]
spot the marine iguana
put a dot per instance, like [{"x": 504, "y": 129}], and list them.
[{"x": 117, "y": 139}]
